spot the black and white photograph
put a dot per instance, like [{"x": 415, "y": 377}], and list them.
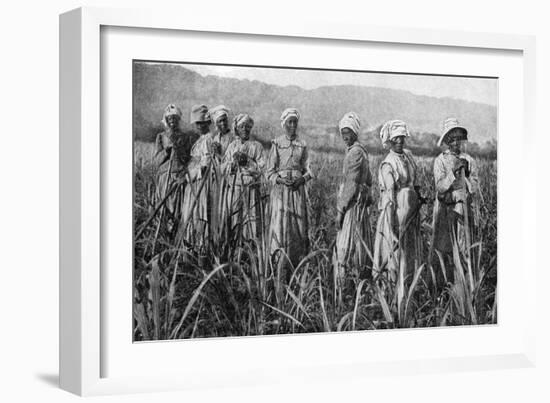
[
  {"x": 270, "y": 200},
  {"x": 233, "y": 201}
]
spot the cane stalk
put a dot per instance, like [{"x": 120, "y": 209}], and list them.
[
  {"x": 466, "y": 212},
  {"x": 163, "y": 205}
]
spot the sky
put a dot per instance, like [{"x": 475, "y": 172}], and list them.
[{"x": 484, "y": 90}]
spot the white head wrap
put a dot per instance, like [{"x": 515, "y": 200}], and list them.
[
  {"x": 351, "y": 121},
  {"x": 218, "y": 111},
  {"x": 289, "y": 113},
  {"x": 391, "y": 130},
  {"x": 241, "y": 118},
  {"x": 171, "y": 109}
]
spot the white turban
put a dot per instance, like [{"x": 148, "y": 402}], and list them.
[
  {"x": 170, "y": 110},
  {"x": 289, "y": 113},
  {"x": 241, "y": 118},
  {"x": 218, "y": 111},
  {"x": 391, "y": 130},
  {"x": 351, "y": 121}
]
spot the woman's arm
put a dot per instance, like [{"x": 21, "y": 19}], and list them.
[
  {"x": 201, "y": 157},
  {"x": 227, "y": 160},
  {"x": 306, "y": 166},
  {"x": 387, "y": 184},
  {"x": 162, "y": 151},
  {"x": 444, "y": 178},
  {"x": 352, "y": 176},
  {"x": 256, "y": 161},
  {"x": 273, "y": 164}
]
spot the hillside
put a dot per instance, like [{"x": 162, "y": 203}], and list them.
[{"x": 156, "y": 85}]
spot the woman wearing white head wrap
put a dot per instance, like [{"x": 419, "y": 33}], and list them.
[
  {"x": 289, "y": 113},
  {"x": 288, "y": 170},
  {"x": 396, "y": 246},
  {"x": 350, "y": 121},
  {"x": 391, "y": 130},
  {"x": 242, "y": 166},
  {"x": 354, "y": 240},
  {"x": 223, "y": 135},
  {"x": 173, "y": 153},
  {"x": 456, "y": 207}
]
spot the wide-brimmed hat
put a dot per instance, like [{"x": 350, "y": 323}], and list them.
[
  {"x": 199, "y": 113},
  {"x": 448, "y": 125}
]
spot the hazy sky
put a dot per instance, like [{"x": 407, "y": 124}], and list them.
[{"x": 470, "y": 89}]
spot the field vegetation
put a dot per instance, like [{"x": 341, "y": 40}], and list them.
[{"x": 231, "y": 289}]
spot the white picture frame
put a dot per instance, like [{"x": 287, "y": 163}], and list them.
[{"x": 82, "y": 173}]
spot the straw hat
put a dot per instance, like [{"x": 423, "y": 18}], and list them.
[
  {"x": 199, "y": 113},
  {"x": 448, "y": 125}
]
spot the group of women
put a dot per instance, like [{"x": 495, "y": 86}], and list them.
[{"x": 223, "y": 172}]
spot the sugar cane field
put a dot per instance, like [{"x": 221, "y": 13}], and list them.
[{"x": 230, "y": 289}]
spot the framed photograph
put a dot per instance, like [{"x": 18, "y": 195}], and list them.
[{"x": 242, "y": 204}]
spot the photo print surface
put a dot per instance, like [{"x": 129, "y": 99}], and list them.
[{"x": 273, "y": 200}]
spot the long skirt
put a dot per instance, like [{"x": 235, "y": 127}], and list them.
[
  {"x": 453, "y": 231},
  {"x": 242, "y": 211},
  {"x": 196, "y": 209},
  {"x": 397, "y": 242},
  {"x": 173, "y": 202},
  {"x": 288, "y": 233},
  {"x": 354, "y": 240}
]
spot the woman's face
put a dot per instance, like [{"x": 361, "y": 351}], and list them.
[
  {"x": 203, "y": 127},
  {"x": 172, "y": 121},
  {"x": 348, "y": 136},
  {"x": 291, "y": 127},
  {"x": 222, "y": 124},
  {"x": 455, "y": 143},
  {"x": 397, "y": 144},
  {"x": 244, "y": 129}
]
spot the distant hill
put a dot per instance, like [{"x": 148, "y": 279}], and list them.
[{"x": 156, "y": 85}]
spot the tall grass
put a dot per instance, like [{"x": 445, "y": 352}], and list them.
[{"x": 238, "y": 292}]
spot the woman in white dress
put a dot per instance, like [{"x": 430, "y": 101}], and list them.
[
  {"x": 456, "y": 185},
  {"x": 172, "y": 154},
  {"x": 288, "y": 170},
  {"x": 397, "y": 242},
  {"x": 242, "y": 167},
  {"x": 354, "y": 238},
  {"x": 222, "y": 136}
]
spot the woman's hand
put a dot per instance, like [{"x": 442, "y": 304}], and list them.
[
  {"x": 421, "y": 200},
  {"x": 283, "y": 181},
  {"x": 242, "y": 159},
  {"x": 461, "y": 163},
  {"x": 297, "y": 183},
  {"x": 466, "y": 165},
  {"x": 233, "y": 167},
  {"x": 216, "y": 148}
]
